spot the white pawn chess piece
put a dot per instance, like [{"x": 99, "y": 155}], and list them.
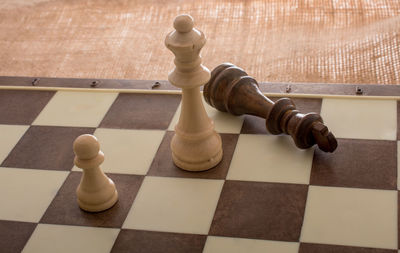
[
  {"x": 96, "y": 192},
  {"x": 195, "y": 146}
]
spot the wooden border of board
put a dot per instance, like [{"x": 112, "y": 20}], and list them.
[{"x": 289, "y": 89}]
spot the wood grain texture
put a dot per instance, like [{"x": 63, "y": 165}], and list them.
[{"x": 336, "y": 41}]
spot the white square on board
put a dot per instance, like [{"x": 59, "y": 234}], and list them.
[
  {"x": 128, "y": 151},
  {"x": 360, "y": 118},
  {"x": 351, "y": 217},
  {"x": 25, "y": 194},
  {"x": 9, "y": 136},
  {"x": 269, "y": 158},
  {"x": 178, "y": 205},
  {"x": 76, "y": 108},
  {"x": 61, "y": 238}
]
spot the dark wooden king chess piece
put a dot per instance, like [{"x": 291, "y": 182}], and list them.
[{"x": 231, "y": 90}]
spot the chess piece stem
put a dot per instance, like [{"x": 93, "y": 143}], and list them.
[
  {"x": 231, "y": 90},
  {"x": 96, "y": 192},
  {"x": 195, "y": 146}
]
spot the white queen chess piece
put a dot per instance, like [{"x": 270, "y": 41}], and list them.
[{"x": 195, "y": 146}]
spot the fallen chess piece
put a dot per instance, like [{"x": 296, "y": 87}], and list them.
[
  {"x": 96, "y": 192},
  {"x": 195, "y": 146},
  {"x": 231, "y": 90}
]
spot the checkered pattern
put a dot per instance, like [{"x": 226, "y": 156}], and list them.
[{"x": 265, "y": 195}]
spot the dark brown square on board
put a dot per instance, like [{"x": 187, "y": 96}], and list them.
[
  {"x": 136, "y": 241},
  {"x": 45, "y": 147},
  {"x": 21, "y": 107},
  {"x": 269, "y": 211},
  {"x": 398, "y": 120},
  {"x": 141, "y": 111},
  {"x": 163, "y": 164},
  {"x": 368, "y": 164},
  {"x": 64, "y": 208},
  {"x": 14, "y": 235},
  {"x": 256, "y": 125}
]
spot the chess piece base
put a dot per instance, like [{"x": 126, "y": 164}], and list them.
[
  {"x": 198, "y": 155},
  {"x": 97, "y": 202}
]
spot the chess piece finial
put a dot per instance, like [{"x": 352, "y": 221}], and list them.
[
  {"x": 195, "y": 146},
  {"x": 86, "y": 147},
  {"x": 183, "y": 23},
  {"x": 96, "y": 192},
  {"x": 231, "y": 90}
]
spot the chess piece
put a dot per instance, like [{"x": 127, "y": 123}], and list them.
[
  {"x": 231, "y": 90},
  {"x": 96, "y": 192},
  {"x": 195, "y": 146}
]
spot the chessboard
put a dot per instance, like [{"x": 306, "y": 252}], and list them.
[{"x": 266, "y": 195}]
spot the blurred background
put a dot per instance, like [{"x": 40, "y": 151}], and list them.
[{"x": 317, "y": 41}]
